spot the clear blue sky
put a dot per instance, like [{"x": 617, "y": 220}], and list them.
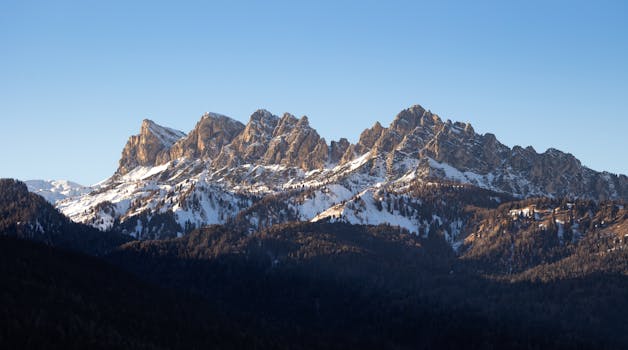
[{"x": 77, "y": 78}]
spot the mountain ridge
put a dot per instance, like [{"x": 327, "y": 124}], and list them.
[{"x": 223, "y": 167}]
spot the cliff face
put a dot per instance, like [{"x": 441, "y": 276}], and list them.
[
  {"x": 287, "y": 141},
  {"x": 206, "y": 140},
  {"x": 252, "y": 143},
  {"x": 415, "y": 138},
  {"x": 277, "y": 169},
  {"x": 148, "y": 146},
  {"x": 296, "y": 144},
  {"x": 419, "y": 135}
]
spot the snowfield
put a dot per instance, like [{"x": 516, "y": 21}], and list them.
[{"x": 56, "y": 190}]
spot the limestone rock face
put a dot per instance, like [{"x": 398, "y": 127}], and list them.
[
  {"x": 278, "y": 144},
  {"x": 457, "y": 143},
  {"x": 368, "y": 138},
  {"x": 337, "y": 150},
  {"x": 146, "y": 148},
  {"x": 252, "y": 143},
  {"x": 416, "y": 141},
  {"x": 270, "y": 140},
  {"x": 206, "y": 141},
  {"x": 305, "y": 149},
  {"x": 417, "y": 135},
  {"x": 296, "y": 144},
  {"x": 409, "y": 132},
  {"x": 278, "y": 169}
]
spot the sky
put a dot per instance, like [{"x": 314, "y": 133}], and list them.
[{"x": 78, "y": 77}]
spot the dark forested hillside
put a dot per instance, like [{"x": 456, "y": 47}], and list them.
[
  {"x": 30, "y": 216},
  {"x": 549, "y": 239},
  {"x": 533, "y": 274},
  {"x": 53, "y": 299},
  {"x": 353, "y": 286}
]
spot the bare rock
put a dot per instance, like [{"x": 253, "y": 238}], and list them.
[{"x": 145, "y": 148}]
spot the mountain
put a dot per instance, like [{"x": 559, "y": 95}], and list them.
[
  {"x": 278, "y": 169},
  {"x": 29, "y": 216},
  {"x": 422, "y": 234},
  {"x": 56, "y": 190},
  {"x": 145, "y": 148}
]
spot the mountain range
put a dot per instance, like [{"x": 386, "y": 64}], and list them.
[
  {"x": 423, "y": 234},
  {"x": 169, "y": 182}
]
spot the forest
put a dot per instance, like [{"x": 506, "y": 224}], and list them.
[{"x": 516, "y": 282}]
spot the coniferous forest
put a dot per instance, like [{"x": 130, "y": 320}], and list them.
[{"x": 316, "y": 285}]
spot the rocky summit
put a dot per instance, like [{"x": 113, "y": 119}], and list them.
[
  {"x": 148, "y": 146},
  {"x": 278, "y": 169}
]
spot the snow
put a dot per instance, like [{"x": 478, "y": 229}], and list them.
[
  {"x": 366, "y": 214},
  {"x": 142, "y": 172},
  {"x": 166, "y": 136},
  {"x": 357, "y": 163},
  {"x": 56, "y": 190},
  {"x": 519, "y": 186},
  {"x": 454, "y": 174},
  {"x": 193, "y": 199},
  {"x": 198, "y": 194},
  {"x": 138, "y": 229},
  {"x": 322, "y": 200},
  {"x": 519, "y": 212}
]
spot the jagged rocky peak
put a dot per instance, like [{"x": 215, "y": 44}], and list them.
[
  {"x": 262, "y": 120},
  {"x": 415, "y": 134},
  {"x": 145, "y": 148},
  {"x": 417, "y": 146},
  {"x": 553, "y": 171},
  {"x": 260, "y": 128},
  {"x": 337, "y": 149},
  {"x": 251, "y": 144},
  {"x": 407, "y": 133},
  {"x": 368, "y": 137},
  {"x": 296, "y": 144},
  {"x": 286, "y": 125},
  {"x": 167, "y": 136},
  {"x": 367, "y": 140},
  {"x": 414, "y": 117},
  {"x": 527, "y": 159},
  {"x": 207, "y": 139},
  {"x": 270, "y": 140},
  {"x": 408, "y": 119},
  {"x": 304, "y": 122},
  {"x": 457, "y": 144}
]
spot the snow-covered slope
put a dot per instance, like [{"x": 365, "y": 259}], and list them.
[
  {"x": 167, "y": 136},
  {"x": 56, "y": 190}
]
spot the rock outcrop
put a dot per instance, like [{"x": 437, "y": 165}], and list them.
[
  {"x": 211, "y": 134},
  {"x": 252, "y": 143},
  {"x": 277, "y": 169},
  {"x": 416, "y": 139},
  {"x": 338, "y": 149},
  {"x": 145, "y": 148},
  {"x": 270, "y": 140}
]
